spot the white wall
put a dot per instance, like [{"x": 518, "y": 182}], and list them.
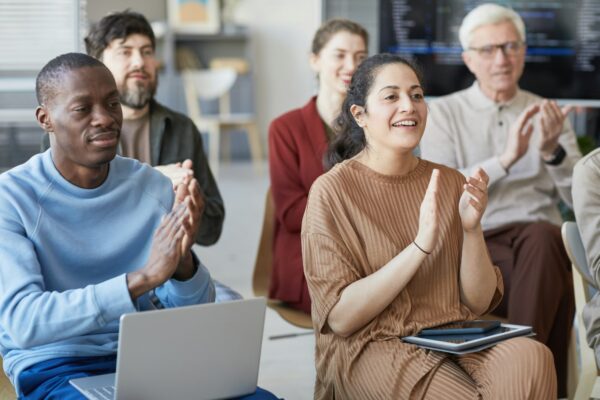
[{"x": 282, "y": 32}]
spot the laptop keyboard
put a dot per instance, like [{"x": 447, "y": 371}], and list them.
[{"x": 101, "y": 393}]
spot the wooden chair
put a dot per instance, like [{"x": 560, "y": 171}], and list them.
[
  {"x": 262, "y": 270},
  {"x": 588, "y": 382},
  {"x": 7, "y": 392},
  {"x": 212, "y": 84}
]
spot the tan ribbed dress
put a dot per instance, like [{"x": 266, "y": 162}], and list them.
[{"x": 355, "y": 222}]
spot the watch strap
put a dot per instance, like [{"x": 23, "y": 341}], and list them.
[{"x": 557, "y": 157}]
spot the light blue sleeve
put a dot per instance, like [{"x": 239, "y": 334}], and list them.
[
  {"x": 196, "y": 290},
  {"x": 32, "y": 316}
]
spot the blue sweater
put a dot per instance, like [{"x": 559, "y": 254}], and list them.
[{"x": 64, "y": 253}]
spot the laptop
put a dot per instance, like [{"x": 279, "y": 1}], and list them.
[
  {"x": 206, "y": 351},
  {"x": 464, "y": 343}
]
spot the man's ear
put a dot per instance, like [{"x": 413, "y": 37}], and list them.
[
  {"x": 358, "y": 113},
  {"x": 43, "y": 118}
]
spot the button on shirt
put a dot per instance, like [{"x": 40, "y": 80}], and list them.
[{"x": 466, "y": 130}]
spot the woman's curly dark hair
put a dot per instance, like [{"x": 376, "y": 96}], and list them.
[{"x": 350, "y": 138}]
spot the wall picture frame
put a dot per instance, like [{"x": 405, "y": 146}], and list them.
[{"x": 194, "y": 16}]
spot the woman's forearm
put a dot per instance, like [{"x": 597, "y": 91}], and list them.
[
  {"x": 364, "y": 299},
  {"x": 477, "y": 276}
]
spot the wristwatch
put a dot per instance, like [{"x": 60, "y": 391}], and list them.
[{"x": 557, "y": 157}]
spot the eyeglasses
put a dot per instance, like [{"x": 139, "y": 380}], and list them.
[{"x": 508, "y": 48}]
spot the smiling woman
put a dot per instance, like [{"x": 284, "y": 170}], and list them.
[
  {"x": 385, "y": 257},
  {"x": 298, "y": 140},
  {"x": 396, "y": 118}
]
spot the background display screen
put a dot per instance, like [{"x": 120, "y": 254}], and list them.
[{"x": 563, "y": 39}]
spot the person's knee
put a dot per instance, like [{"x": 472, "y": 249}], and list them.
[
  {"x": 542, "y": 232},
  {"x": 543, "y": 246},
  {"x": 525, "y": 365},
  {"x": 533, "y": 359}
]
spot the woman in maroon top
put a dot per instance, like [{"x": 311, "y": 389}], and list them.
[{"x": 298, "y": 140}]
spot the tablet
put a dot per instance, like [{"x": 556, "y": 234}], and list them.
[
  {"x": 462, "y": 327},
  {"x": 466, "y": 343}
]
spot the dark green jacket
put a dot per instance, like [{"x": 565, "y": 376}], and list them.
[{"x": 175, "y": 138}]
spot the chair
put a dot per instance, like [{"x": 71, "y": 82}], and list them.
[
  {"x": 7, "y": 392},
  {"x": 588, "y": 384},
  {"x": 211, "y": 84},
  {"x": 262, "y": 270}
]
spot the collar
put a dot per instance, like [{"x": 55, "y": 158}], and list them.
[
  {"x": 479, "y": 101},
  {"x": 314, "y": 127}
]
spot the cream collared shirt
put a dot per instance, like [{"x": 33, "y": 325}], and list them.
[{"x": 466, "y": 130}]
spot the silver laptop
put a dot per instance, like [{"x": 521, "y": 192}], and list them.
[{"x": 207, "y": 351}]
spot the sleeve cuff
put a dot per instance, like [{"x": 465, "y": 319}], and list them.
[
  {"x": 493, "y": 169},
  {"x": 199, "y": 288},
  {"x": 113, "y": 299}
]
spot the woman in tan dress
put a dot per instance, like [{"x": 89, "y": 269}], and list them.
[{"x": 393, "y": 244}]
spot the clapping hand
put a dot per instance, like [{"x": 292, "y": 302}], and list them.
[
  {"x": 473, "y": 201},
  {"x": 519, "y": 134},
  {"x": 189, "y": 190},
  {"x": 165, "y": 253},
  {"x": 176, "y": 172},
  {"x": 428, "y": 216}
]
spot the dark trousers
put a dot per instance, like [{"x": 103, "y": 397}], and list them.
[
  {"x": 538, "y": 285},
  {"x": 49, "y": 380}
]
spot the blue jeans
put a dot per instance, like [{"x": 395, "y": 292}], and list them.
[{"x": 49, "y": 380}]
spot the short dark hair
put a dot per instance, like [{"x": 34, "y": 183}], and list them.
[
  {"x": 48, "y": 78},
  {"x": 350, "y": 138},
  {"x": 116, "y": 25}
]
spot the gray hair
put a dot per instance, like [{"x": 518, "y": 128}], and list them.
[{"x": 487, "y": 14}]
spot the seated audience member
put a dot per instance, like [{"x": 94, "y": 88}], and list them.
[
  {"x": 527, "y": 147},
  {"x": 393, "y": 244},
  {"x": 86, "y": 237},
  {"x": 586, "y": 204},
  {"x": 152, "y": 133},
  {"x": 297, "y": 142}
]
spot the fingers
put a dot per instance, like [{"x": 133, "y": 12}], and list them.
[
  {"x": 187, "y": 164},
  {"x": 181, "y": 192},
  {"x": 195, "y": 205},
  {"x": 195, "y": 193},
  {"x": 476, "y": 205},
  {"x": 481, "y": 175},
  {"x": 190, "y": 189},
  {"x": 551, "y": 114},
  {"x": 179, "y": 216},
  {"x": 526, "y": 116},
  {"x": 170, "y": 220},
  {"x": 566, "y": 110},
  {"x": 528, "y": 131},
  {"x": 476, "y": 187},
  {"x": 432, "y": 188},
  {"x": 176, "y": 172}
]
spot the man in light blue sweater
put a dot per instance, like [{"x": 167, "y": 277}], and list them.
[{"x": 86, "y": 236}]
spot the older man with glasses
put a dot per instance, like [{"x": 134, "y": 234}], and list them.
[{"x": 528, "y": 148}]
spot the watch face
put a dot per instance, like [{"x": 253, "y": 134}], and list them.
[{"x": 557, "y": 157}]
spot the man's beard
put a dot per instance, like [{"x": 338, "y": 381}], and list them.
[{"x": 139, "y": 96}]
